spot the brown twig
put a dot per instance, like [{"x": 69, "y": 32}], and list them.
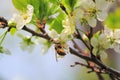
[
  {"x": 112, "y": 77},
  {"x": 80, "y": 37},
  {"x": 93, "y": 68},
  {"x": 100, "y": 77},
  {"x": 107, "y": 69},
  {"x": 45, "y": 36},
  {"x": 77, "y": 47}
]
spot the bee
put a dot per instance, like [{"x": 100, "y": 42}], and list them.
[
  {"x": 3, "y": 22},
  {"x": 60, "y": 50}
]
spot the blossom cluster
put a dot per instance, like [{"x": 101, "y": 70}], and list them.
[
  {"x": 87, "y": 13},
  {"x": 114, "y": 37},
  {"x": 90, "y": 11},
  {"x": 22, "y": 18}
]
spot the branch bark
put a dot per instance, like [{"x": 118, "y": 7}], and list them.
[{"x": 100, "y": 77}]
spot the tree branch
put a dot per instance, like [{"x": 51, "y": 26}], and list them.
[
  {"x": 107, "y": 69},
  {"x": 100, "y": 77},
  {"x": 112, "y": 77},
  {"x": 80, "y": 37},
  {"x": 45, "y": 36}
]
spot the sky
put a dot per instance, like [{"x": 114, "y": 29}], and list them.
[{"x": 32, "y": 66}]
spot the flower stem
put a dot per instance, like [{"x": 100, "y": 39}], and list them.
[{"x": 3, "y": 37}]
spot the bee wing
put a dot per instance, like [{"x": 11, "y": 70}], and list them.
[{"x": 56, "y": 56}]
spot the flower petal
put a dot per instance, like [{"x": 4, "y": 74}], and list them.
[
  {"x": 101, "y": 16},
  {"x": 94, "y": 42},
  {"x": 92, "y": 21}
]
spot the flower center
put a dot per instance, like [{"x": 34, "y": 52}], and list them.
[{"x": 25, "y": 16}]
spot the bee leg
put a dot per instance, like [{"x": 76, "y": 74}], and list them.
[{"x": 56, "y": 57}]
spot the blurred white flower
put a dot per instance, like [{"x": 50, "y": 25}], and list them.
[
  {"x": 100, "y": 44},
  {"x": 53, "y": 34},
  {"x": 58, "y": 37},
  {"x": 116, "y": 47},
  {"x": 69, "y": 25},
  {"x": 114, "y": 35},
  {"x": 23, "y": 18},
  {"x": 27, "y": 44},
  {"x": 44, "y": 49},
  {"x": 78, "y": 14},
  {"x": 91, "y": 11},
  {"x": 102, "y": 6},
  {"x": 67, "y": 32}
]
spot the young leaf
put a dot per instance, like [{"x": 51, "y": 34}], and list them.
[
  {"x": 2, "y": 37},
  {"x": 70, "y": 4},
  {"x": 20, "y": 4},
  {"x": 57, "y": 23},
  {"x": 43, "y": 6},
  {"x": 35, "y": 4},
  {"x": 54, "y": 1}
]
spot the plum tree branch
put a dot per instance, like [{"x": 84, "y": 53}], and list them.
[
  {"x": 35, "y": 33},
  {"x": 108, "y": 70},
  {"x": 100, "y": 77},
  {"x": 80, "y": 37}
]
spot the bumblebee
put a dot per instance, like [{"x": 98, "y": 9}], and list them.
[
  {"x": 60, "y": 50},
  {"x": 3, "y": 22}
]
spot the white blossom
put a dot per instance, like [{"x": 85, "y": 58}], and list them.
[
  {"x": 53, "y": 34},
  {"x": 58, "y": 37},
  {"x": 23, "y": 18},
  {"x": 69, "y": 25},
  {"x": 100, "y": 44},
  {"x": 91, "y": 11},
  {"x": 114, "y": 35},
  {"x": 66, "y": 33},
  {"x": 27, "y": 44}
]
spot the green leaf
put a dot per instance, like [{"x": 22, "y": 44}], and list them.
[
  {"x": 43, "y": 6},
  {"x": 20, "y": 4},
  {"x": 70, "y": 4},
  {"x": 54, "y": 1},
  {"x": 35, "y": 4},
  {"x": 12, "y": 31},
  {"x": 113, "y": 20},
  {"x": 57, "y": 23},
  {"x": 47, "y": 8},
  {"x": 4, "y": 50},
  {"x": 54, "y": 9},
  {"x": 96, "y": 35},
  {"x": 2, "y": 36}
]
